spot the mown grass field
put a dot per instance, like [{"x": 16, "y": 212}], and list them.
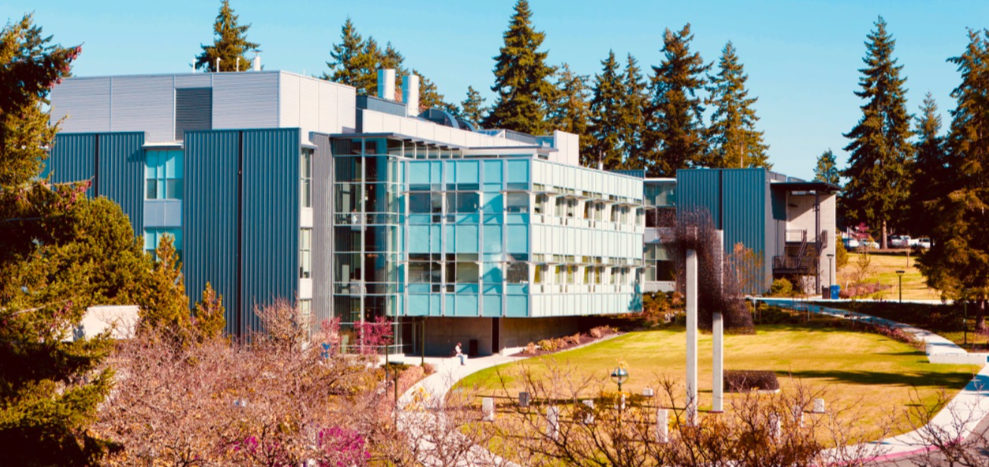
[
  {"x": 874, "y": 375},
  {"x": 882, "y": 268}
]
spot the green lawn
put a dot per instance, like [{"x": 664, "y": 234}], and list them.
[{"x": 877, "y": 375}]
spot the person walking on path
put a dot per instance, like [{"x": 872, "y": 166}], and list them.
[{"x": 458, "y": 353}]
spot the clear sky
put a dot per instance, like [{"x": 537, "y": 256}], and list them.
[{"x": 802, "y": 57}]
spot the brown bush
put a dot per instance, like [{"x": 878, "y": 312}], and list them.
[{"x": 749, "y": 380}]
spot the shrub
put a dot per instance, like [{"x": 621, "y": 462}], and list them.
[
  {"x": 428, "y": 368},
  {"x": 573, "y": 340},
  {"x": 602, "y": 331},
  {"x": 530, "y": 349},
  {"x": 749, "y": 380},
  {"x": 840, "y": 254},
  {"x": 781, "y": 288},
  {"x": 547, "y": 345}
]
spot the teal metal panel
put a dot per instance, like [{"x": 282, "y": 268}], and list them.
[
  {"x": 120, "y": 174},
  {"x": 72, "y": 159},
  {"x": 743, "y": 215},
  {"x": 210, "y": 218},
  {"x": 699, "y": 190},
  {"x": 270, "y": 219}
]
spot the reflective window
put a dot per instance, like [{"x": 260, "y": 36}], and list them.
[
  {"x": 163, "y": 175},
  {"x": 305, "y": 175},
  {"x": 305, "y": 253}
]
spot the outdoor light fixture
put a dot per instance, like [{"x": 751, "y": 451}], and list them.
[
  {"x": 899, "y": 272},
  {"x": 830, "y": 278},
  {"x": 619, "y": 375}
]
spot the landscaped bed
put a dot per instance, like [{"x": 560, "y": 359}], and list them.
[{"x": 874, "y": 374}]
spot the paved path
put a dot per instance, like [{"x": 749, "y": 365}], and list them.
[
  {"x": 960, "y": 416},
  {"x": 422, "y": 417}
]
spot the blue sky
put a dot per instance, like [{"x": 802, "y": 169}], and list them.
[{"x": 802, "y": 57}]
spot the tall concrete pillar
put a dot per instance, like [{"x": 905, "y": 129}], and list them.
[
  {"x": 691, "y": 337},
  {"x": 718, "y": 331}
]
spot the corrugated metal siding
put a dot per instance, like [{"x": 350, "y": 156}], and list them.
[
  {"x": 309, "y": 108},
  {"x": 744, "y": 208},
  {"x": 270, "y": 219},
  {"x": 72, "y": 159},
  {"x": 194, "y": 80},
  {"x": 322, "y": 246},
  {"x": 245, "y": 100},
  {"x": 121, "y": 174},
  {"x": 83, "y": 103},
  {"x": 210, "y": 217},
  {"x": 699, "y": 189},
  {"x": 143, "y": 103}
]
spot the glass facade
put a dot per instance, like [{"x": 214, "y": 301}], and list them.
[
  {"x": 425, "y": 230},
  {"x": 163, "y": 174}
]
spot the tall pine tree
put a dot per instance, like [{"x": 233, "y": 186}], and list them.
[
  {"x": 827, "y": 169},
  {"x": 59, "y": 252},
  {"x": 958, "y": 261},
  {"x": 605, "y": 120},
  {"x": 930, "y": 177},
  {"x": 880, "y": 152},
  {"x": 675, "y": 137},
  {"x": 522, "y": 78},
  {"x": 632, "y": 125},
  {"x": 732, "y": 136},
  {"x": 229, "y": 44},
  {"x": 571, "y": 111},
  {"x": 472, "y": 109},
  {"x": 344, "y": 56}
]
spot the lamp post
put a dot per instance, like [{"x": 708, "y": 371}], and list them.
[
  {"x": 899, "y": 272},
  {"x": 830, "y": 278},
  {"x": 619, "y": 375}
]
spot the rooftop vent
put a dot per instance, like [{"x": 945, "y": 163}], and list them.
[
  {"x": 386, "y": 84},
  {"x": 410, "y": 94}
]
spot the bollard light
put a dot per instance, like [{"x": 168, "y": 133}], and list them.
[
  {"x": 619, "y": 375},
  {"x": 900, "y": 272}
]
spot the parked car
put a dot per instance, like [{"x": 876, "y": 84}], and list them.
[
  {"x": 850, "y": 243},
  {"x": 924, "y": 243},
  {"x": 899, "y": 241}
]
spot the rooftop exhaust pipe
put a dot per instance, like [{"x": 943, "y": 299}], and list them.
[
  {"x": 386, "y": 84},
  {"x": 410, "y": 94},
  {"x": 256, "y": 61}
]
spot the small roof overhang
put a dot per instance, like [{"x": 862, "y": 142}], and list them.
[{"x": 806, "y": 186}]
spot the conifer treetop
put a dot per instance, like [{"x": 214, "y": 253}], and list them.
[{"x": 230, "y": 44}]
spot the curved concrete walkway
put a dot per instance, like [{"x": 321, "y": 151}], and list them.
[{"x": 959, "y": 418}]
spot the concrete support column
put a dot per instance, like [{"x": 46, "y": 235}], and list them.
[
  {"x": 691, "y": 337},
  {"x": 718, "y": 366}
]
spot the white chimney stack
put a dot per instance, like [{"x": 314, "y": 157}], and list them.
[
  {"x": 410, "y": 94},
  {"x": 256, "y": 63},
  {"x": 386, "y": 84}
]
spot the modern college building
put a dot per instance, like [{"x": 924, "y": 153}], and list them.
[{"x": 281, "y": 186}]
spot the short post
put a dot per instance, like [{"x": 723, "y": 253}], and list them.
[
  {"x": 589, "y": 409},
  {"x": 662, "y": 425},
  {"x": 692, "y": 337},
  {"x": 818, "y": 405},
  {"x": 775, "y": 426},
  {"x": 488, "y": 409},
  {"x": 798, "y": 415},
  {"x": 718, "y": 331},
  {"x": 900, "y": 272},
  {"x": 553, "y": 421},
  {"x": 523, "y": 399}
]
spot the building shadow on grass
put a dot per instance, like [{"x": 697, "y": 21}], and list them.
[{"x": 956, "y": 380}]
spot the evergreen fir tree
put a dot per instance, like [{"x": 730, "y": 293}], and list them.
[
  {"x": 827, "y": 169},
  {"x": 607, "y": 108},
  {"x": 229, "y": 45},
  {"x": 632, "y": 125},
  {"x": 472, "y": 108},
  {"x": 365, "y": 77},
  {"x": 429, "y": 96},
  {"x": 958, "y": 261},
  {"x": 51, "y": 247},
  {"x": 929, "y": 174},
  {"x": 392, "y": 59},
  {"x": 675, "y": 135},
  {"x": 732, "y": 137},
  {"x": 571, "y": 112},
  {"x": 344, "y": 56},
  {"x": 879, "y": 150},
  {"x": 522, "y": 78}
]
